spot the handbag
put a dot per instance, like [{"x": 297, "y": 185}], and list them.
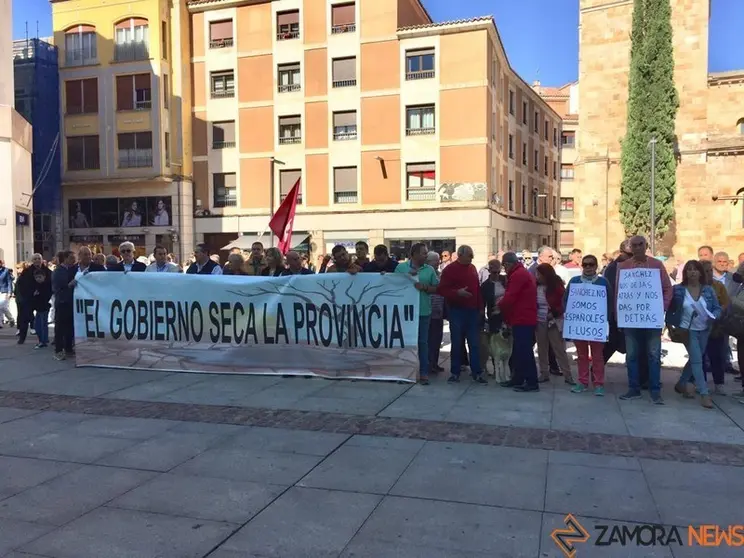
[{"x": 678, "y": 334}]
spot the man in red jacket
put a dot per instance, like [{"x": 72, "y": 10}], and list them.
[
  {"x": 460, "y": 287},
  {"x": 519, "y": 309}
]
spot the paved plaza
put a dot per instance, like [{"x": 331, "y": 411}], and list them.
[{"x": 105, "y": 463}]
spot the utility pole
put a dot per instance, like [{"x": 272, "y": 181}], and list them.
[{"x": 652, "y": 143}]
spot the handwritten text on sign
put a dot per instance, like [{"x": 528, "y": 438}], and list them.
[
  {"x": 640, "y": 304},
  {"x": 586, "y": 313}
]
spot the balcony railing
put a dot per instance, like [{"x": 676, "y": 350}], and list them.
[
  {"x": 344, "y": 83},
  {"x": 420, "y": 131},
  {"x": 135, "y": 159},
  {"x": 142, "y": 105},
  {"x": 289, "y": 140},
  {"x": 129, "y": 52},
  {"x": 287, "y": 35},
  {"x": 288, "y": 88},
  {"x": 345, "y": 133},
  {"x": 424, "y": 74},
  {"x": 222, "y": 144},
  {"x": 347, "y": 28},
  {"x": 230, "y": 200},
  {"x": 567, "y": 176},
  {"x": 221, "y": 43},
  {"x": 80, "y": 57},
  {"x": 345, "y": 197},
  {"x": 223, "y": 93},
  {"x": 283, "y": 197},
  {"x": 421, "y": 193},
  {"x": 567, "y": 215}
]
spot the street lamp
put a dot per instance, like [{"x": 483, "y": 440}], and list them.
[
  {"x": 652, "y": 144},
  {"x": 274, "y": 162}
]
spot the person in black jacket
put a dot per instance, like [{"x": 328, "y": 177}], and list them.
[
  {"x": 63, "y": 286},
  {"x": 39, "y": 304},
  {"x": 25, "y": 288},
  {"x": 492, "y": 290},
  {"x": 128, "y": 263},
  {"x": 85, "y": 263}
]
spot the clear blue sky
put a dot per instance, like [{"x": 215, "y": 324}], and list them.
[{"x": 540, "y": 36}]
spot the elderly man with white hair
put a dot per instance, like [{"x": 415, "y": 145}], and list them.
[
  {"x": 128, "y": 263},
  {"x": 436, "y": 324}
]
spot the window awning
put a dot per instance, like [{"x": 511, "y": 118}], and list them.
[{"x": 244, "y": 242}]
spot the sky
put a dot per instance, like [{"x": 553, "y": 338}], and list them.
[{"x": 540, "y": 36}]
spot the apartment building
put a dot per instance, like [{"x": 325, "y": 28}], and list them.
[
  {"x": 399, "y": 129},
  {"x": 126, "y": 156},
  {"x": 565, "y": 101}
]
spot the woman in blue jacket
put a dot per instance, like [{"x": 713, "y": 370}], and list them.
[{"x": 694, "y": 308}]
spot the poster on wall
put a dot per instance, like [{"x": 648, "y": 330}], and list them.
[
  {"x": 154, "y": 211},
  {"x": 133, "y": 212},
  {"x": 80, "y": 212},
  {"x": 158, "y": 211}
]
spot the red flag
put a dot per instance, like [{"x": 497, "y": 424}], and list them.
[{"x": 282, "y": 222}]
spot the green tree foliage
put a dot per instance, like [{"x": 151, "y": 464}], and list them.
[{"x": 652, "y": 110}]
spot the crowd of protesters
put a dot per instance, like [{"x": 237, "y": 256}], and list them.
[{"x": 517, "y": 299}]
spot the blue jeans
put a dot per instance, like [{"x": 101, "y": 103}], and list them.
[
  {"x": 523, "y": 356},
  {"x": 464, "y": 324},
  {"x": 423, "y": 345},
  {"x": 695, "y": 345},
  {"x": 635, "y": 339},
  {"x": 41, "y": 325}
]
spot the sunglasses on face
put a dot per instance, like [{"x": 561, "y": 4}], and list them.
[{"x": 125, "y": 251}]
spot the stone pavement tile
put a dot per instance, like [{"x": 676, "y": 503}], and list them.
[
  {"x": 589, "y": 549},
  {"x": 13, "y": 370},
  {"x": 212, "y": 428},
  {"x": 413, "y": 528},
  {"x": 285, "y": 392},
  {"x": 250, "y": 465},
  {"x": 440, "y": 389},
  {"x": 343, "y": 405},
  {"x": 304, "y": 522},
  {"x": 163, "y": 452},
  {"x": 201, "y": 498},
  {"x": 221, "y": 390},
  {"x": 122, "y": 427},
  {"x": 17, "y": 474},
  {"x": 114, "y": 533},
  {"x": 68, "y": 496},
  {"x": 30, "y": 427},
  {"x": 693, "y": 493},
  {"x": 371, "y": 469},
  {"x": 154, "y": 390},
  {"x": 613, "y": 493},
  {"x": 731, "y": 407},
  {"x": 362, "y": 390},
  {"x": 16, "y": 533},
  {"x": 416, "y": 407},
  {"x": 593, "y": 460},
  {"x": 470, "y": 473},
  {"x": 385, "y": 443},
  {"x": 65, "y": 445},
  {"x": 286, "y": 441},
  {"x": 587, "y": 413},
  {"x": 493, "y": 413},
  {"x": 7, "y": 414}
]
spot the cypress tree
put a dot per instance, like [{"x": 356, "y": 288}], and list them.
[{"x": 652, "y": 110}]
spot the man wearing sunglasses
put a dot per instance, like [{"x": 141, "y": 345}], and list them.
[{"x": 128, "y": 263}]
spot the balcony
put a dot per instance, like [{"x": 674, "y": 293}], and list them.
[
  {"x": 345, "y": 133},
  {"x": 345, "y": 197},
  {"x": 344, "y": 83},
  {"x": 135, "y": 159},
  {"x": 223, "y": 93},
  {"x": 420, "y": 131},
  {"x": 567, "y": 215},
  {"x": 80, "y": 57},
  {"x": 223, "y": 144},
  {"x": 290, "y": 140},
  {"x": 287, "y": 35},
  {"x": 283, "y": 197},
  {"x": 129, "y": 52},
  {"x": 347, "y": 28},
  {"x": 421, "y": 193},
  {"x": 425, "y": 74},
  {"x": 229, "y": 200},
  {"x": 221, "y": 43},
  {"x": 143, "y": 105},
  {"x": 288, "y": 88}
]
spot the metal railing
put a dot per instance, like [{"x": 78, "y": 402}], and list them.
[
  {"x": 566, "y": 176},
  {"x": 420, "y": 131},
  {"x": 346, "y": 28},
  {"x": 222, "y": 144},
  {"x": 135, "y": 159},
  {"x": 80, "y": 57},
  {"x": 288, "y": 88},
  {"x": 283, "y": 197},
  {"x": 221, "y": 43},
  {"x": 345, "y": 133},
  {"x": 229, "y": 200},
  {"x": 289, "y": 140},
  {"x": 422, "y": 74},
  {"x": 287, "y": 35},
  {"x": 344, "y": 83},
  {"x": 129, "y": 52},
  {"x": 223, "y": 93},
  {"x": 421, "y": 193},
  {"x": 345, "y": 197},
  {"x": 142, "y": 105}
]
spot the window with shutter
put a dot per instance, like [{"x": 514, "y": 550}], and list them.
[
  {"x": 223, "y": 134},
  {"x": 343, "y": 18},
  {"x": 142, "y": 92},
  {"x": 221, "y": 34},
  {"x": 345, "y": 185},
  {"x": 131, "y": 40},
  {"x": 74, "y": 97},
  {"x": 290, "y": 130},
  {"x": 288, "y": 77},
  {"x": 287, "y": 25},
  {"x": 344, "y": 125},
  {"x": 420, "y": 64},
  {"x": 222, "y": 84},
  {"x": 421, "y": 181},
  {"x": 287, "y": 180},
  {"x": 90, "y": 95},
  {"x": 344, "y": 72},
  {"x": 420, "y": 120},
  {"x": 225, "y": 189}
]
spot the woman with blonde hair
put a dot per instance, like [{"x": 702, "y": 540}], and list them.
[
  {"x": 235, "y": 265},
  {"x": 274, "y": 263}
]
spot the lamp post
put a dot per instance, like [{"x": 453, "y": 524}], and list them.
[
  {"x": 652, "y": 144},
  {"x": 274, "y": 162}
]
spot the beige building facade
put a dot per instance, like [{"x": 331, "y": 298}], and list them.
[
  {"x": 398, "y": 129},
  {"x": 710, "y": 132}
]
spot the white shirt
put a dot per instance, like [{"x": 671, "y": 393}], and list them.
[
  {"x": 127, "y": 266},
  {"x": 694, "y": 313},
  {"x": 80, "y": 272},
  {"x": 169, "y": 267}
]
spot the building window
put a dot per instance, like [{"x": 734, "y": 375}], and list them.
[
  {"x": 288, "y": 25},
  {"x": 133, "y": 92},
  {"x": 82, "y": 153},
  {"x": 535, "y": 160},
  {"x": 344, "y": 72},
  {"x": 536, "y": 122},
  {"x": 567, "y": 208},
  {"x": 166, "y": 91},
  {"x": 567, "y": 172},
  {"x": 345, "y": 185},
  {"x": 289, "y": 78},
  {"x": 225, "y": 189},
  {"x": 81, "y": 96},
  {"x": 343, "y": 18},
  {"x": 545, "y": 165},
  {"x": 535, "y": 197},
  {"x": 132, "y": 40},
  {"x": 511, "y": 102},
  {"x": 524, "y": 154},
  {"x": 421, "y": 182},
  {"x": 223, "y": 134},
  {"x": 344, "y": 125},
  {"x": 555, "y": 170},
  {"x": 525, "y": 108},
  {"x": 568, "y": 139},
  {"x": 135, "y": 150},
  {"x": 555, "y": 136},
  {"x": 524, "y": 199},
  {"x": 511, "y": 146},
  {"x": 287, "y": 180},
  {"x": 567, "y": 239},
  {"x": 290, "y": 130},
  {"x": 420, "y": 120},
  {"x": 511, "y": 195},
  {"x": 547, "y": 130},
  {"x": 80, "y": 46},
  {"x": 221, "y": 34},
  {"x": 166, "y": 144},
  {"x": 164, "y": 39},
  {"x": 222, "y": 84},
  {"x": 420, "y": 64}
]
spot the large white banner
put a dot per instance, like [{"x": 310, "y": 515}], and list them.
[
  {"x": 331, "y": 325},
  {"x": 640, "y": 302},
  {"x": 586, "y": 313}
]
